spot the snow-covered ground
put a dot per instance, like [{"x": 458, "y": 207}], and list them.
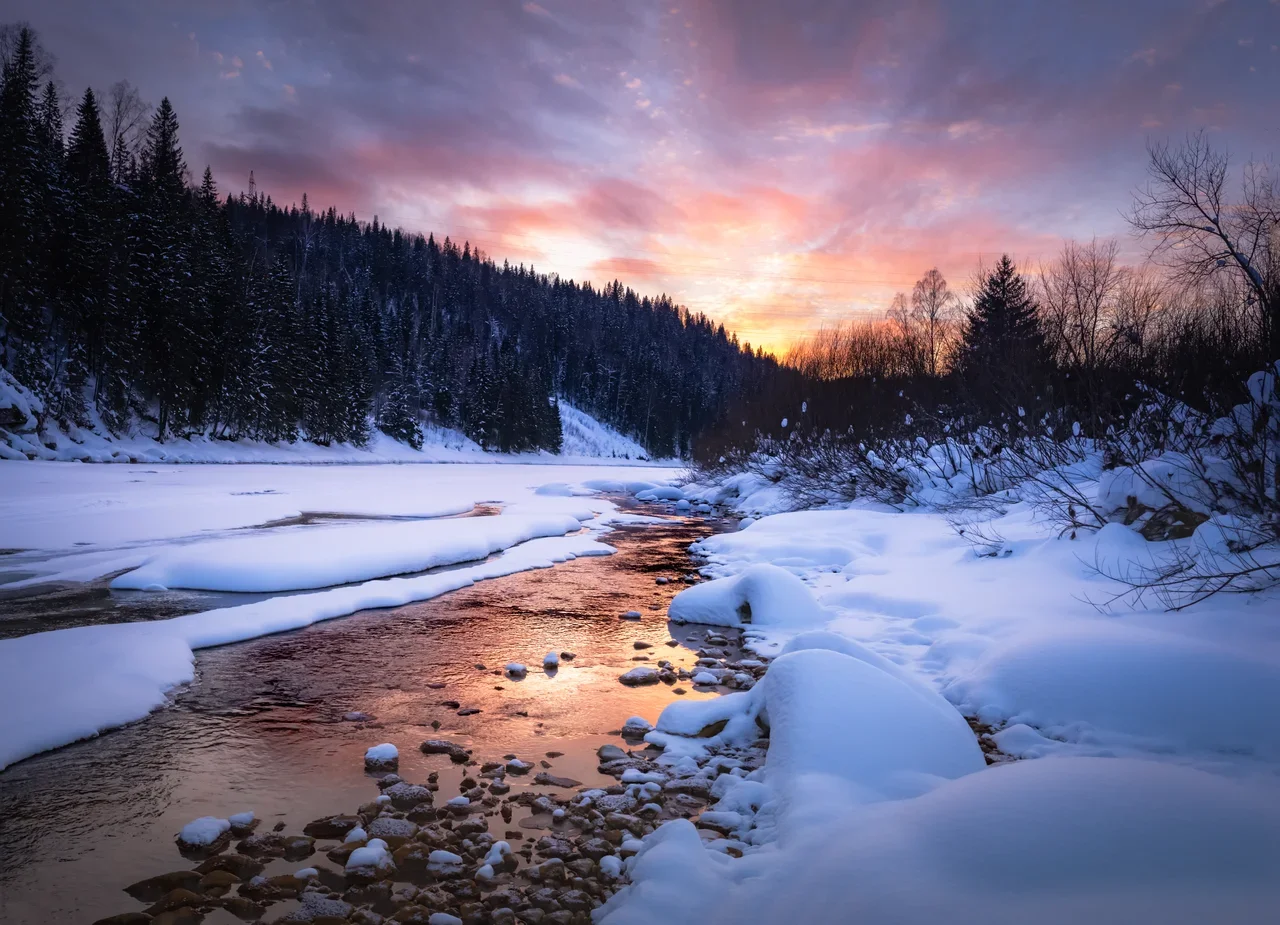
[
  {"x": 585, "y": 438},
  {"x": 1151, "y": 785},
  {"x": 210, "y": 527}
]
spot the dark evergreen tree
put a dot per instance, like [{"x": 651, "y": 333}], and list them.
[{"x": 1003, "y": 359}]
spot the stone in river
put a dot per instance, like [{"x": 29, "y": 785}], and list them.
[
  {"x": 630, "y": 615},
  {"x": 550, "y": 780},
  {"x": 176, "y": 899},
  {"x": 641, "y": 675},
  {"x": 125, "y": 918},
  {"x": 331, "y": 826},
  {"x": 154, "y": 888},
  {"x": 610, "y": 753}
]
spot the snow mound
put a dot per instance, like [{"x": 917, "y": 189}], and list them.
[
  {"x": 372, "y": 856},
  {"x": 583, "y": 435},
  {"x": 763, "y": 595},
  {"x": 203, "y": 831},
  {"x": 1110, "y": 683}
]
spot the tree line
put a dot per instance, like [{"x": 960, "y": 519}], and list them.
[
  {"x": 1082, "y": 337},
  {"x": 131, "y": 296}
]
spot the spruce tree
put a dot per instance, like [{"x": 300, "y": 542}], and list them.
[{"x": 1003, "y": 360}]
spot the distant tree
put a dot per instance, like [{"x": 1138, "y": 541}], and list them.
[
  {"x": 1003, "y": 360},
  {"x": 933, "y": 309}
]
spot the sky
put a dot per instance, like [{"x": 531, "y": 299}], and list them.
[{"x": 777, "y": 165}]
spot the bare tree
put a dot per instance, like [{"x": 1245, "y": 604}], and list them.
[
  {"x": 933, "y": 307},
  {"x": 1198, "y": 232},
  {"x": 126, "y": 122}
]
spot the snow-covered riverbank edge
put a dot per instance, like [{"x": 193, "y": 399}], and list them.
[{"x": 1155, "y": 795}]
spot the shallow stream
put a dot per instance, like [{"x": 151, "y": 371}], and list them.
[{"x": 262, "y": 726}]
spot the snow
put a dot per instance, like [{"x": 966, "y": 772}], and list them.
[
  {"x": 381, "y": 755},
  {"x": 241, "y": 819},
  {"x": 318, "y": 557},
  {"x": 550, "y": 660},
  {"x": 1152, "y": 786},
  {"x": 584, "y": 438},
  {"x": 443, "y": 918},
  {"x": 357, "y": 834},
  {"x": 374, "y": 855},
  {"x": 203, "y": 831},
  {"x": 515, "y": 668},
  {"x": 763, "y": 594}
]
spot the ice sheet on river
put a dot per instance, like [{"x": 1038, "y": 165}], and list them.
[{"x": 319, "y": 557}]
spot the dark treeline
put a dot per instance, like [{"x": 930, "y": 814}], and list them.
[
  {"x": 1077, "y": 343},
  {"x": 129, "y": 293}
]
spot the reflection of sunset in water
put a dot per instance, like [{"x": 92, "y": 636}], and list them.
[{"x": 262, "y": 726}]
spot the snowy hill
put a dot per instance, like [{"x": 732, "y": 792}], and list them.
[{"x": 585, "y": 438}]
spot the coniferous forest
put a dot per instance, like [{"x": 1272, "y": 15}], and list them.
[{"x": 132, "y": 294}]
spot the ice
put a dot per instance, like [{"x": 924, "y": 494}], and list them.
[
  {"x": 203, "y": 831},
  {"x": 764, "y": 595}
]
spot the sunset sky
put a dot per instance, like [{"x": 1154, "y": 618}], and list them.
[{"x": 774, "y": 164}]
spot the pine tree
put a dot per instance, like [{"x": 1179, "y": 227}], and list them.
[
  {"x": 19, "y": 202},
  {"x": 1003, "y": 358}
]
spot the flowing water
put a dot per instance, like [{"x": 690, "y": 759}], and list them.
[{"x": 262, "y": 726}]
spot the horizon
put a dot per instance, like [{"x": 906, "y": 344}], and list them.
[{"x": 774, "y": 168}]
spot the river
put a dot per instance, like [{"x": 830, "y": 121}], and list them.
[{"x": 262, "y": 728}]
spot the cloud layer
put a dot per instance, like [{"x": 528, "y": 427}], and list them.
[{"x": 774, "y": 164}]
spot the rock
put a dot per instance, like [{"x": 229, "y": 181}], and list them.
[
  {"x": 331, "y": 826},
  {"x": 516, "y": 766},
  {"x": 384, "y": 757},
  {"x": 183, "y": 916},
  {"x": 575, "y": 901},
  {"x": 176, "y": 899},
  {"x": 636, "y": 727},
  {"x": 154, "y": 888},
  {"x": 407, "y": 796},
  {"x": 469, "y": 711},
  {"x": 640, "y": 675},
  {"x": 640, "y": 644},
  {"x": 355, "y": 716},
  {"x": 693, "y": 786},
  {"x": 456, "y": 752},
  {"x": 550, "y": 780},
  {"x": 243, "y": 867},
  {"x": 567, "y": 656},
  {"x": 217, "y": 883},
  {"x": 615, "y": 803},
  {"x": 125, "y": 918},
  {"x": 242, "y": 908},
  {"x": 663, "y": 580},
  {"x": 595, "y": 848},
  {"x": 610, "y": 753},
  {"x": 393, "y": 831},
  {"x": 631, "y": 615}
]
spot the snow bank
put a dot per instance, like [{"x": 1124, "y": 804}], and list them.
[
  {"x": 70, "y": 684},
  {"x": 1107, "y": 683},
  {"x": 320, "y": 557},
  {"x": 763, "y": 595},
  {"x": 1108, "y": 841}
]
